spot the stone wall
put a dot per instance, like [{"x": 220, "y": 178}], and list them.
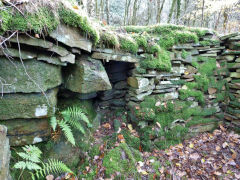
[{"x": 69, "y": 66}]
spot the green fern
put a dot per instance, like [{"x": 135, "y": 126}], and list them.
[
  {"x": 52, "y": 166},
  {"x": 75, "y": 114},
  {"x": 31, "y": 162},
  {"x": 72, "y": 118},
  {"x": 67, "y": 131},
  {"x": 53, "y": 123}
]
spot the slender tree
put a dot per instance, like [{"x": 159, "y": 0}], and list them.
[
  {"x": 172, "y": 10},
  {"x": 107, "y": 11},
  {"x": 159, "y": 11}
]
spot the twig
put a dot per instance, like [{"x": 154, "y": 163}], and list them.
[
  {"x": 8, "y": 38},
  {"x": 14, "y": 5},
  {"x": 20, "y": 56},
  {"x": 3, "y": 83}
]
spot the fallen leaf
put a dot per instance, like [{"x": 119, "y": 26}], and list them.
[
  {"x": 107, "y": 126},
  {"x": 191, "y": 145},
  {"x": 218, "y": 148},
  {"x": 130, "y": 127},
  {"x": 225, "y": 144},
  {"x": 75, "y": 7},
  {"x": 178, "y": 164},
  {"x": 222, "y": 128},
  {"x": 194, "y": 156},
  {"x": 50, "y": 177}
]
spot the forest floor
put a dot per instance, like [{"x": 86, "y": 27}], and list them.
[{"x": 213, "y": 155}]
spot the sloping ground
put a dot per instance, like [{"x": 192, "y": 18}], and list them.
[{"x": 208, "y": 156}]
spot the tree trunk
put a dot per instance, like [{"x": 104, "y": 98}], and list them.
[
  {"x": 171, "y": 10},
  {"x": 127, "y": 5},
  {"x": 217, "y": 20},
  {"x": 96, "y": 9},
  {"x": 102, "y": 9},
  {"x": 159, "y": 12},
  {"x": 203, "y": 4},
  {"x": 178, "y": 10},
  {"x": 135, "y": 8},
  {"x": 107, "y": 11}
]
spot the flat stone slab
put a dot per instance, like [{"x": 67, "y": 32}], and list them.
[
  {"x": 222, "y": 38},
  {"x": 115, "y": 57},
  {"x": 46, "y": 76},
  {"x": 87, "y": 76},
  {"x": 49, "y": 46},
  {"x": 137, "y": 82},
  {"x": 69, "y": 58},
  {"x": 71, "y": 37},
  {"x": 15, "y": 53},
  {"x": 34, "y": 105},
  {"x": 231, "y": 52},
  {"x": 27, "y": 131},
  {"x": 51, "y": 60}
]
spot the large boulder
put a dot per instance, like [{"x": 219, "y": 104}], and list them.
[
  {"x": 87, "y": 76},
  {"x": 35, "y": 105},
  {"x": 38, "y": 77},
  {"x": 71, "y": 37},
  {"x": 5, "y": 154},
  {"x": 27, "y": 131}
]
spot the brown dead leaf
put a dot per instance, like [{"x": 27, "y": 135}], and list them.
[
  {"x": 194, "y": 156},
  {"x": 218, "y": 148},
  {"x": 212, "y": 91},
  {"x": 225, "y": 144},
  {"x": 222, "y": 128},
  {"x": 107, "y": 126}
]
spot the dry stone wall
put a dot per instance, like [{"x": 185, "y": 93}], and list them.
[{"x": 66, "y": 64}]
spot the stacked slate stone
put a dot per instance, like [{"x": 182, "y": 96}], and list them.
[
  {"x": 31, "y": 74},
  {"x": 231, "y": 57},
  {"x": 169, "y": 84}
]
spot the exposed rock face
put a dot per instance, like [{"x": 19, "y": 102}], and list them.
[
  {"x": 28, "y": 105},
  {"x": 47, "y": 76},
  {"x": 88, "y": 75},
  {"x": 27, "y": 131},
  {"x": 71, "y": 37},
  {"x": 5, "y": 154}
]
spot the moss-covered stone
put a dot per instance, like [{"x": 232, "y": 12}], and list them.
[
  {"x": 27, "y": 131},
  {"x": 82, "y": 76},
  {"x": 28, "y": 105},
  {"x": 43, "y": 76}
]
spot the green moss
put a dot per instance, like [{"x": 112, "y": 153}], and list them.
[
  {"x": 184, "y": 94},
  {"x": 131, "y": 140},
  {"x": 41, "y": 21},
  {"x": 199, "y": 120},
  {"x": 209, "y": 42},
  {"x": 166, "y": 42},
  {"x": 185, "y": 54},
  {"x": 160, "y": 62},
  {"x": 128, "y": 44},
  {"x": 5, "y": 17},
  {"x": 141, "y": 40},
  {"x": 71, "y": 18},
  {"x": 109, "y": 39},
  {"x": 141, "y": 70},
  {"x": 113, "y": 161}
]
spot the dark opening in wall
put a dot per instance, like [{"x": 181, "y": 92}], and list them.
[{"x": 118, "y": 73}]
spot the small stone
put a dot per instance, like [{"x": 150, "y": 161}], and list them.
[
  {"x": 137, "y": 82},
  {"x": 69, "y": 58},
  {"x": 121, "y": 85},
  {"x": 51, "y": 60},
  {"x": 235, "y": 75}
]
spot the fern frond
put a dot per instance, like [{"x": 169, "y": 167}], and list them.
[
  {"x": 53, "y": 123},
  {"x": 76, "y": 113},
  {"x": 67, "y": 131},
  {"x": 52, "y": 166},
  {"x": 20, "y": 165},
  {"x": 32, "y": 153}
]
